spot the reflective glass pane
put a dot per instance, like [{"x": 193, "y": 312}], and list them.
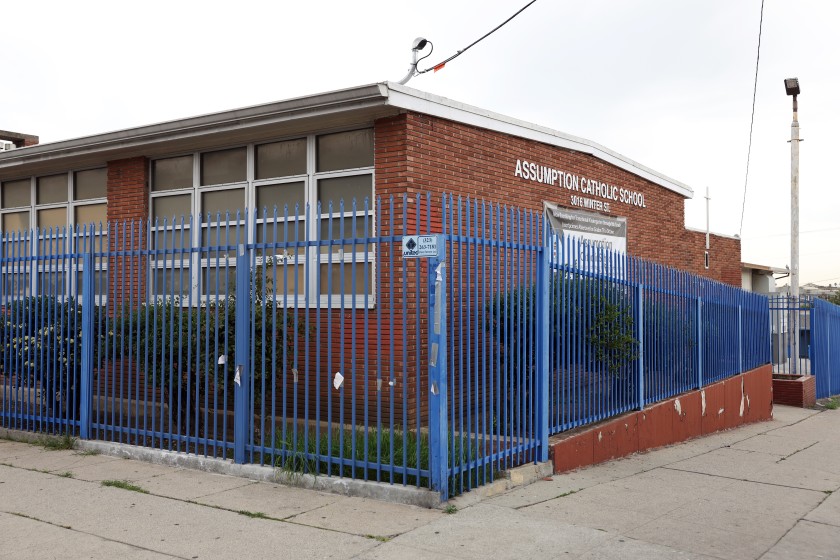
[
  {"x": 100, "y": 282},
  {"x": 92, "y": 214},
  {"x": 344, "y": 228},
  {"x": 15, "y": 222},
  {"x": 56, "y": 245},
  {"x": 16, "y": 193},
  {"x": 52, "y": 189},
  {"x": 172, "y": 173},
  {"x": 348, "y": 189},
  {"x": 16, "y": 282},
  {"x": 90, "y": 184},
  {"x": 279, "y": 232},
  {"x": 169, "y": 207},
  {"x": 52, "y": 218},
  {"x": 338, "y": 278},
  {"x": 217, "y": 203},
  {"x": 225, "y": 166},
  {"x": 345, "y": 150},
  {"x": 280, "y": 196},
  {"x": 51, "y": 283},
  {"x": 281, "y": 159},
  {"x": 218, "y": 281},
  {"x": 171, "y": 281},
  {"x": 170, "y": 239},
  {"x": 279, "y": 281},
  {"x": 222, "y": 235}
]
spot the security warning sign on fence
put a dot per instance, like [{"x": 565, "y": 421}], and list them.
[{"x": 421, "y": 246}]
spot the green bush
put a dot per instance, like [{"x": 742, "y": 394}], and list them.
[
  {"x": 598, "y": 317},
  {"x": 41, "y": 337},
  {"x": 200, "y": 334}
]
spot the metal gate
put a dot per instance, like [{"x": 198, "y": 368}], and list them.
[{"x": 790, "y": 330}]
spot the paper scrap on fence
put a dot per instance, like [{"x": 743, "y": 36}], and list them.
[
  {"x": 338, "y": 380},
  {"x": 236, "y": 378},
  {"x": 222, "y": 359}
]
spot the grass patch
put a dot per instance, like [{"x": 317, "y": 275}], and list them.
[
  {"x": 343, "y": 446},
  {"x": 52, "y": 443},
  {"x": 833, "y": 403},
  {"x": 88, "y": 452},
  {"x": 66, "y": 474},
  {"x": 125, "y": 485},
  {"x": 450, "y": 509},
  {"x": 348, "y": 454},
  {"x": 253, "y": 514},
  {"x": 378, "y": 538}
]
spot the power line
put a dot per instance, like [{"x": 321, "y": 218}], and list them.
[
  {"x": 752, "y": 119},
  {"x": 440, "y": 65}
]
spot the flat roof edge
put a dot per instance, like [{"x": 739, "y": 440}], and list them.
[
  {"x": 703, "y": 231},
  {"x": 385, "y": 94},
  {"x": 299, "y": 107},
  {"x": 422, "y": 102}
]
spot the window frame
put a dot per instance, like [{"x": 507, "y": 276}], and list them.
[
  {"x": 310, "y": 257},
  {"x": 55, "y": 268}
]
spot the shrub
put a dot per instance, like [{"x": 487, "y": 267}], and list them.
[
  {"x": 200, "y": 334},
  {"x": 41, "y": 337},
  {"x": 596, "y": 314}
]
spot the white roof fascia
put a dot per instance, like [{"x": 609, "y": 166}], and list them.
[
  {"x": 422, "y": 102},
  {"x": 387, "y": 94},
  {"x": 270, "y": 113},
  {"x": 703, "y": 231}
]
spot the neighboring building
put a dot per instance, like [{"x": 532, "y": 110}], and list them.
[
  {"x": 760, "y": 278},
  {"x": 812, "y": 289}
]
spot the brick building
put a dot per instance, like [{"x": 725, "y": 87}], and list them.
[
  {"x": 368, "y": 141},
  {"x": 366, "y": 144}
]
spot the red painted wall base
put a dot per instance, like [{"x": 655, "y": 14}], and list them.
[
  {"x": 795, "y": 390},
  {"x": 742, "y": 399}
]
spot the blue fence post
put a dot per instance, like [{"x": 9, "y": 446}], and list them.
[
  {"x": 86, "y": 373},
  {"x": 827, "y": 354},
  {"x": 640, "y": 318},
  {"x": 740, "y": 343},
  {"x": 543, "y": 313},
  {"x": 242, "y": 372},
  {"x": 699, "y": 342},
  {"x": 438, "y": 425}
]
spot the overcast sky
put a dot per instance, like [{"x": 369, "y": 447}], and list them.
[{"x": 666, "y": 83}]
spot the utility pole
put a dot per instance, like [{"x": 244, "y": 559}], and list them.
[
  {"x": 706, "y": 255},
  {"x": 792, "y": 88}
]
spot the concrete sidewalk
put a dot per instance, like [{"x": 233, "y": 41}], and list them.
[{"x": 767, "y": 490}]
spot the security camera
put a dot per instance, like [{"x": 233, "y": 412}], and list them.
[{"x": 419, "y": 44}]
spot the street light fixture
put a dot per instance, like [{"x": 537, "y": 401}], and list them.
[{"x": 792, "y": 89}]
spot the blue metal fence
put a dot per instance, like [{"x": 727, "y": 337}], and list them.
[
  {"x": 825, "y": 347},
  {"x": 791, "y": 325},
  {"x": 626, "y": 332},
  {"x": 302, "y": 338}
]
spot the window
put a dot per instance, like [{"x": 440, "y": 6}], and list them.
[
  {"x": 327, "y": 177},
  {"x": 64, "y": 213}
]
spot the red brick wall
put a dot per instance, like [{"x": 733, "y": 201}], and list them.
[
  {"x": 442, "y": 156},
  {"x": 128, "y": 210}
]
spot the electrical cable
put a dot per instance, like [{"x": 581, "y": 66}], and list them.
[
  {"x": 427, "y": 56},
  {"x": 752, "y": 120},
  {"x": 440, "y": 65}
]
